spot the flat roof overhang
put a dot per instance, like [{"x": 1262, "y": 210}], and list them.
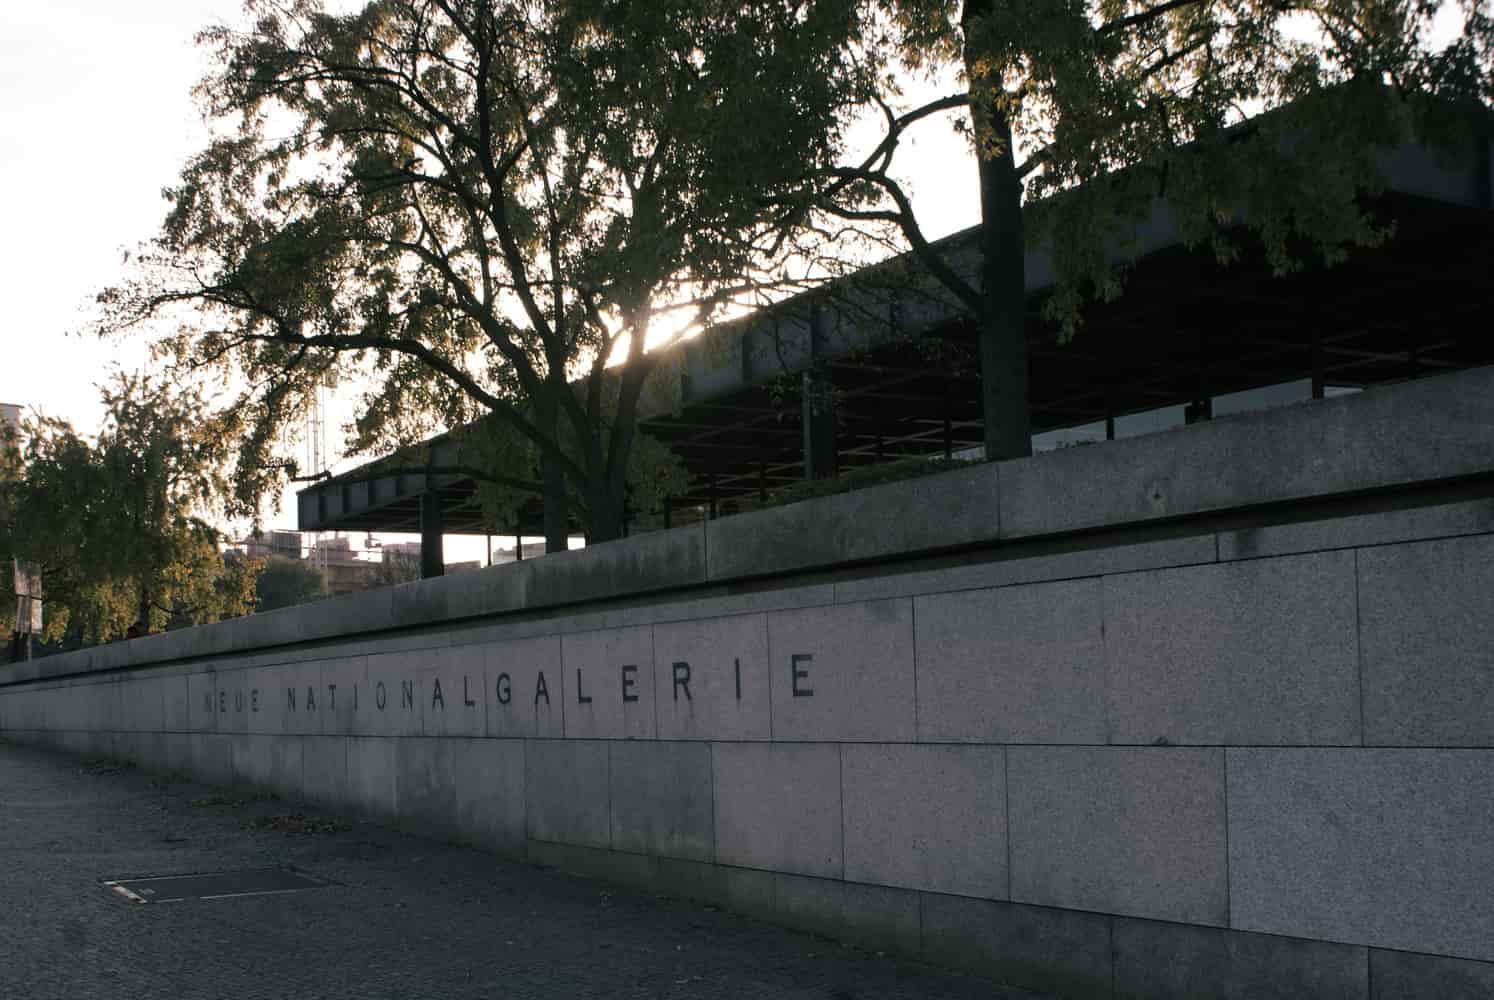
[{"x": 1185, "y": 329}]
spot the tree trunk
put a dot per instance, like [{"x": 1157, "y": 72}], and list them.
[
  {"x": 555, "y": 501},
  {"x": 605, "y": 506},
  {"x": 1003, "y": 273}
]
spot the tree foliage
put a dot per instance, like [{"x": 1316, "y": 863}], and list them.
[
  {"x": 472, "y": 207},
  {"x": 118, "y": 525},
  {"x": 1086, "y": 114},
  {"x": 283, "y": 583}
]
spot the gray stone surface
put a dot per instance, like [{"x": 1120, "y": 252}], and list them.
[
  {"x": 1133, "y": 831},
  {"x": 1469, "y": 517},
  {"x": 176, "y": 705},
  {"x": 1427, "y": 630},
  {"x": 855, "y": 663},
  {"x": 1428, "y": 429},
  {"x": 1022, "y": 664},
  {"x": 565, "y": 791},
  {"x": 778, "y": 807},
  {"x": 306, "y": 711},
  {"x": 926, "y": 817},
  {"x": 344, "y": 684},
  {"x": 1401, "y": 975},
  {"x": 1256, "y": 652},
  {"x": 721, "y": 692},
  {"x": 609, "y": 683},
  {"x": 393, "y": 701},
  {"x": 870, "y": 916},
  {"x": 272, "y": 763},
  {"x": 324, "y": 771},
  {"x": 372, "y": 766},
  {"x": 425, "y": 785},
  {"x": 661, "y": 799},
  {"x": 1161, "y": 961},
  {"x": 141, "y": 705},
  {"x": 490, "y": 799},
  {"x": 1012, "y": 565},
  {"x": 863, "y": 524},
  {"x": 456, "y": 692},
  {"x": 202, "y": 699},
  {"x": 1390, "y": 848},
  {"x": 525, "y": 687},
  {"x": 1031, "y": 947}
]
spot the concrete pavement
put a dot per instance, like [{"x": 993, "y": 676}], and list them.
[{"x": 409, "y": 917}]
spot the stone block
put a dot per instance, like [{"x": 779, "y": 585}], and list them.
[
  {"x": 731, "y": 600},
  {"x": 843, "y": 672},
  {"x": 141, "y": 704},
  {"x": 1468, "y": 517},
  {"x": 661, "y": 799},
  {"x": 565, "y": 791},
  {"x": 778, "y": 806},
  {"x": 324, "y": 771},
  {"x": 489, "y": 778},
  {"x": 344, "y": 686},
  {"x": 1432, "y": 428},
  {"x": 1255, "y": 652},
  {"x": 1402, "y": 975},
  {"x": 869, "y": 916},
  {"x": 1134, "y": 831},
  {"x": 1012, "y": 565},
  {"x": 658, "y": 560},
  {"x": 176, "y": 703},
  {"x": 1021, "y": 664},
  {"x": 455, "y": 682},
  {"x": 425, "y": 785},
  {"x": 372, "y": 766},
  {"x": 300, "y": 697},
  {"x": 272, "y": 763},
  {"x": 1159, "y": 961},
  {"x": 1063, "y": 952},
  {"x": 1426, "y": 626},
  {"x": 1389, "y": 848},
  {"x": 712, "y": 678},
  {"x": 525, "y": 687},
  {"x": 609, "y": 679},
  {"x": 938, "y": 511},
  {"x": 212, "y": 758},
  {"x": 393, "y": 700},
  {"x": 202, "y": 699},
  {"x": 926, "y": 817}
]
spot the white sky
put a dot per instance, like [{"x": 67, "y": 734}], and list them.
[{"x": 96, "y": 117}]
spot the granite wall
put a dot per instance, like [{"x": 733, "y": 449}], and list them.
[{"x": 1209, "y": 713}]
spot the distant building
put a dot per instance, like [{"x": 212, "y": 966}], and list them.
[
  {"x": 10, "y": 416},
  {"x": 285, "y": 544}
]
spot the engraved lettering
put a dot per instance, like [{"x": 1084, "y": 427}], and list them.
[
  {"x": 254, "y": 700},
  {"x": 381, "y": 697},
  {"x": 290, "y": 699},
  {"x": 222, "y": 700},
  {"x": 466, "y": 698},
  {"x": 310, "y": 698},
  {"x": 437, "y": 698},
  {"x": 581, "y": 699},
  {"x": 506, "y": 690},
  {"x": 737, "y": 662},
  {"x": 332, "y": 697},
  {"x": 681, "y": 679},
  {"x": 801, "y": 675},
  {"x": 238, "y": 700},
  {"x": 406, "y": 694},
  {"x": 629, "y": 681},
  {"x": 541, "y": 690}
]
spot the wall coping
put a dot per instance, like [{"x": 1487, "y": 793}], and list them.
[{"x": 1412, "y": 433}]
